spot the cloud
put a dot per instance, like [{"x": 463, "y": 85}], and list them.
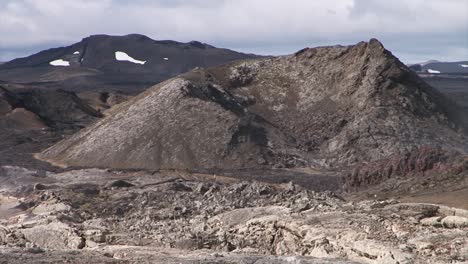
[{"x": 262, "y": 26}]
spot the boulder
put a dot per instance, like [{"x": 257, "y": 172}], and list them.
[
  {"x": 56, "y": 235},
  {"x": 50, "y": 208},
  {"x": 432, "y": 221},
  {"x": 453, "y": 221}
]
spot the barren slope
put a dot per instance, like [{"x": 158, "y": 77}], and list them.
[{"x": 327, "y": 106}]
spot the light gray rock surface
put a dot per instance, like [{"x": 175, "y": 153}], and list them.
[{"x": 193, "y": 218}]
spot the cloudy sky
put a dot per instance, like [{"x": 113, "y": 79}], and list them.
[{"x": 414, "y": 30}]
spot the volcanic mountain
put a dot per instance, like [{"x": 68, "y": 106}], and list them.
[
  {"x": 320, "y": 107},
  {"x": 101, "y": 62}
]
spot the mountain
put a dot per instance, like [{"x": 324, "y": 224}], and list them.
[
  {"x": 437, "y": 67},
  {"x": 101, "y": 62},
  {"x": 320, "y": 107}
]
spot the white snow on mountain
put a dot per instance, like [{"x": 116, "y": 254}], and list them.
[
  {"x": 464, "y": 65},
  {"x": 122, "y": 56},
  {"x": 76, "y": 53},
  {"x": 166, "y": 58},
  {"x": 59, "y": 62},
  {"x": 432, "y": 71}
]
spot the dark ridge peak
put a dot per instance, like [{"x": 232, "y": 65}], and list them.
[
  {"x": 376, "y": 42},
  {"x": 377, "y": 46}
]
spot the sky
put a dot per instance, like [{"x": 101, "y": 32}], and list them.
[{"x": 414, "y": 30}]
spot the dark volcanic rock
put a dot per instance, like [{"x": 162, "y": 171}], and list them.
[
  {"x": 32, "y": 119},
  {"x": 59, "y": 109},
  {"x": 93, "y": 64},
  {"x": 328, "y": 106},
  {"x": 8, "y": 101}
]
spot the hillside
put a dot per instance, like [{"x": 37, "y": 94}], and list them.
[{"x": 320, "y": 107}]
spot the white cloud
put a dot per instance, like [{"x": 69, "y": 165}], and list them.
[{"x": 243, "y": 24}]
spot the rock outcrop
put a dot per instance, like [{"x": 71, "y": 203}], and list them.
[{"x": 321, "y": 107}]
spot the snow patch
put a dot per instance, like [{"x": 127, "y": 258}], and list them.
[
  {"x": 432, "y": 71},
  {"x": 166, "y": 58},
  {"x": 464, "y": 65},
  {"x": 122, "y": 56},
  {"x": 59, "y": 63},
  {"x": 76, "y": 53}
]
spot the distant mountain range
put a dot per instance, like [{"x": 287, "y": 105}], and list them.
[
  {"x": 101, "y": 62},
  {"x": 437, "y": 67}
]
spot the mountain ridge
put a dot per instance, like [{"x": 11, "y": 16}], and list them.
[{"x": 93, "y": 62}]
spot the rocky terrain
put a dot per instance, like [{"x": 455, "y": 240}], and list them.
[
  {"x": 330, "y": 155},
  {"x": 105, "y": 63},
  {"x": 108, "y": 216}
]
